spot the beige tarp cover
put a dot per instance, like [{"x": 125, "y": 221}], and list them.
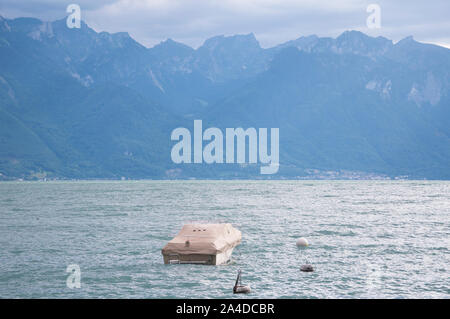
[{"x": 208, "y": 239}]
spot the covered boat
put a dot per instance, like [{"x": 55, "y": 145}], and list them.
[{"x": 209, "y": 244}]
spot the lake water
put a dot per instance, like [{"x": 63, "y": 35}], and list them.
[{"x": 367, "y": 238}]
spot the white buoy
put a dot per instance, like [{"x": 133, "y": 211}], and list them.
[{"x": 302, "y": 242}]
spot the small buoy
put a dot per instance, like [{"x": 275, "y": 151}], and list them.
[
  {"x": 302, "y": 242},
  {"x": 239, "y": 288},
  {"x": 307, "y": 268}
]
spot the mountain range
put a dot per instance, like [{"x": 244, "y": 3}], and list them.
[{"x": 76, "y": 103}]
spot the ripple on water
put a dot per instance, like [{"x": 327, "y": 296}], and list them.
[{"x": 367, "y": 239}]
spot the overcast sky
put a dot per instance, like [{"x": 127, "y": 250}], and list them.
[{"x": 272, "y": 21}]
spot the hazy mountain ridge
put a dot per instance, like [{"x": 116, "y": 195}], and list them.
[{"x": 77, "y": 103}]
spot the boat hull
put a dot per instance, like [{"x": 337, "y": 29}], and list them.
[{"x": 202, "y": 259}]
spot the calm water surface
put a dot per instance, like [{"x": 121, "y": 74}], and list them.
[{"x": 367, "y": 238}]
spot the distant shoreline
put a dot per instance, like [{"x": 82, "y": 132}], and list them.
[{"x": 229, "y": 179}]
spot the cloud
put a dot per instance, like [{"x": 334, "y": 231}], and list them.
[
  {"x": 272, "y": 21},
  {"x": 46, "y": 9}
]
